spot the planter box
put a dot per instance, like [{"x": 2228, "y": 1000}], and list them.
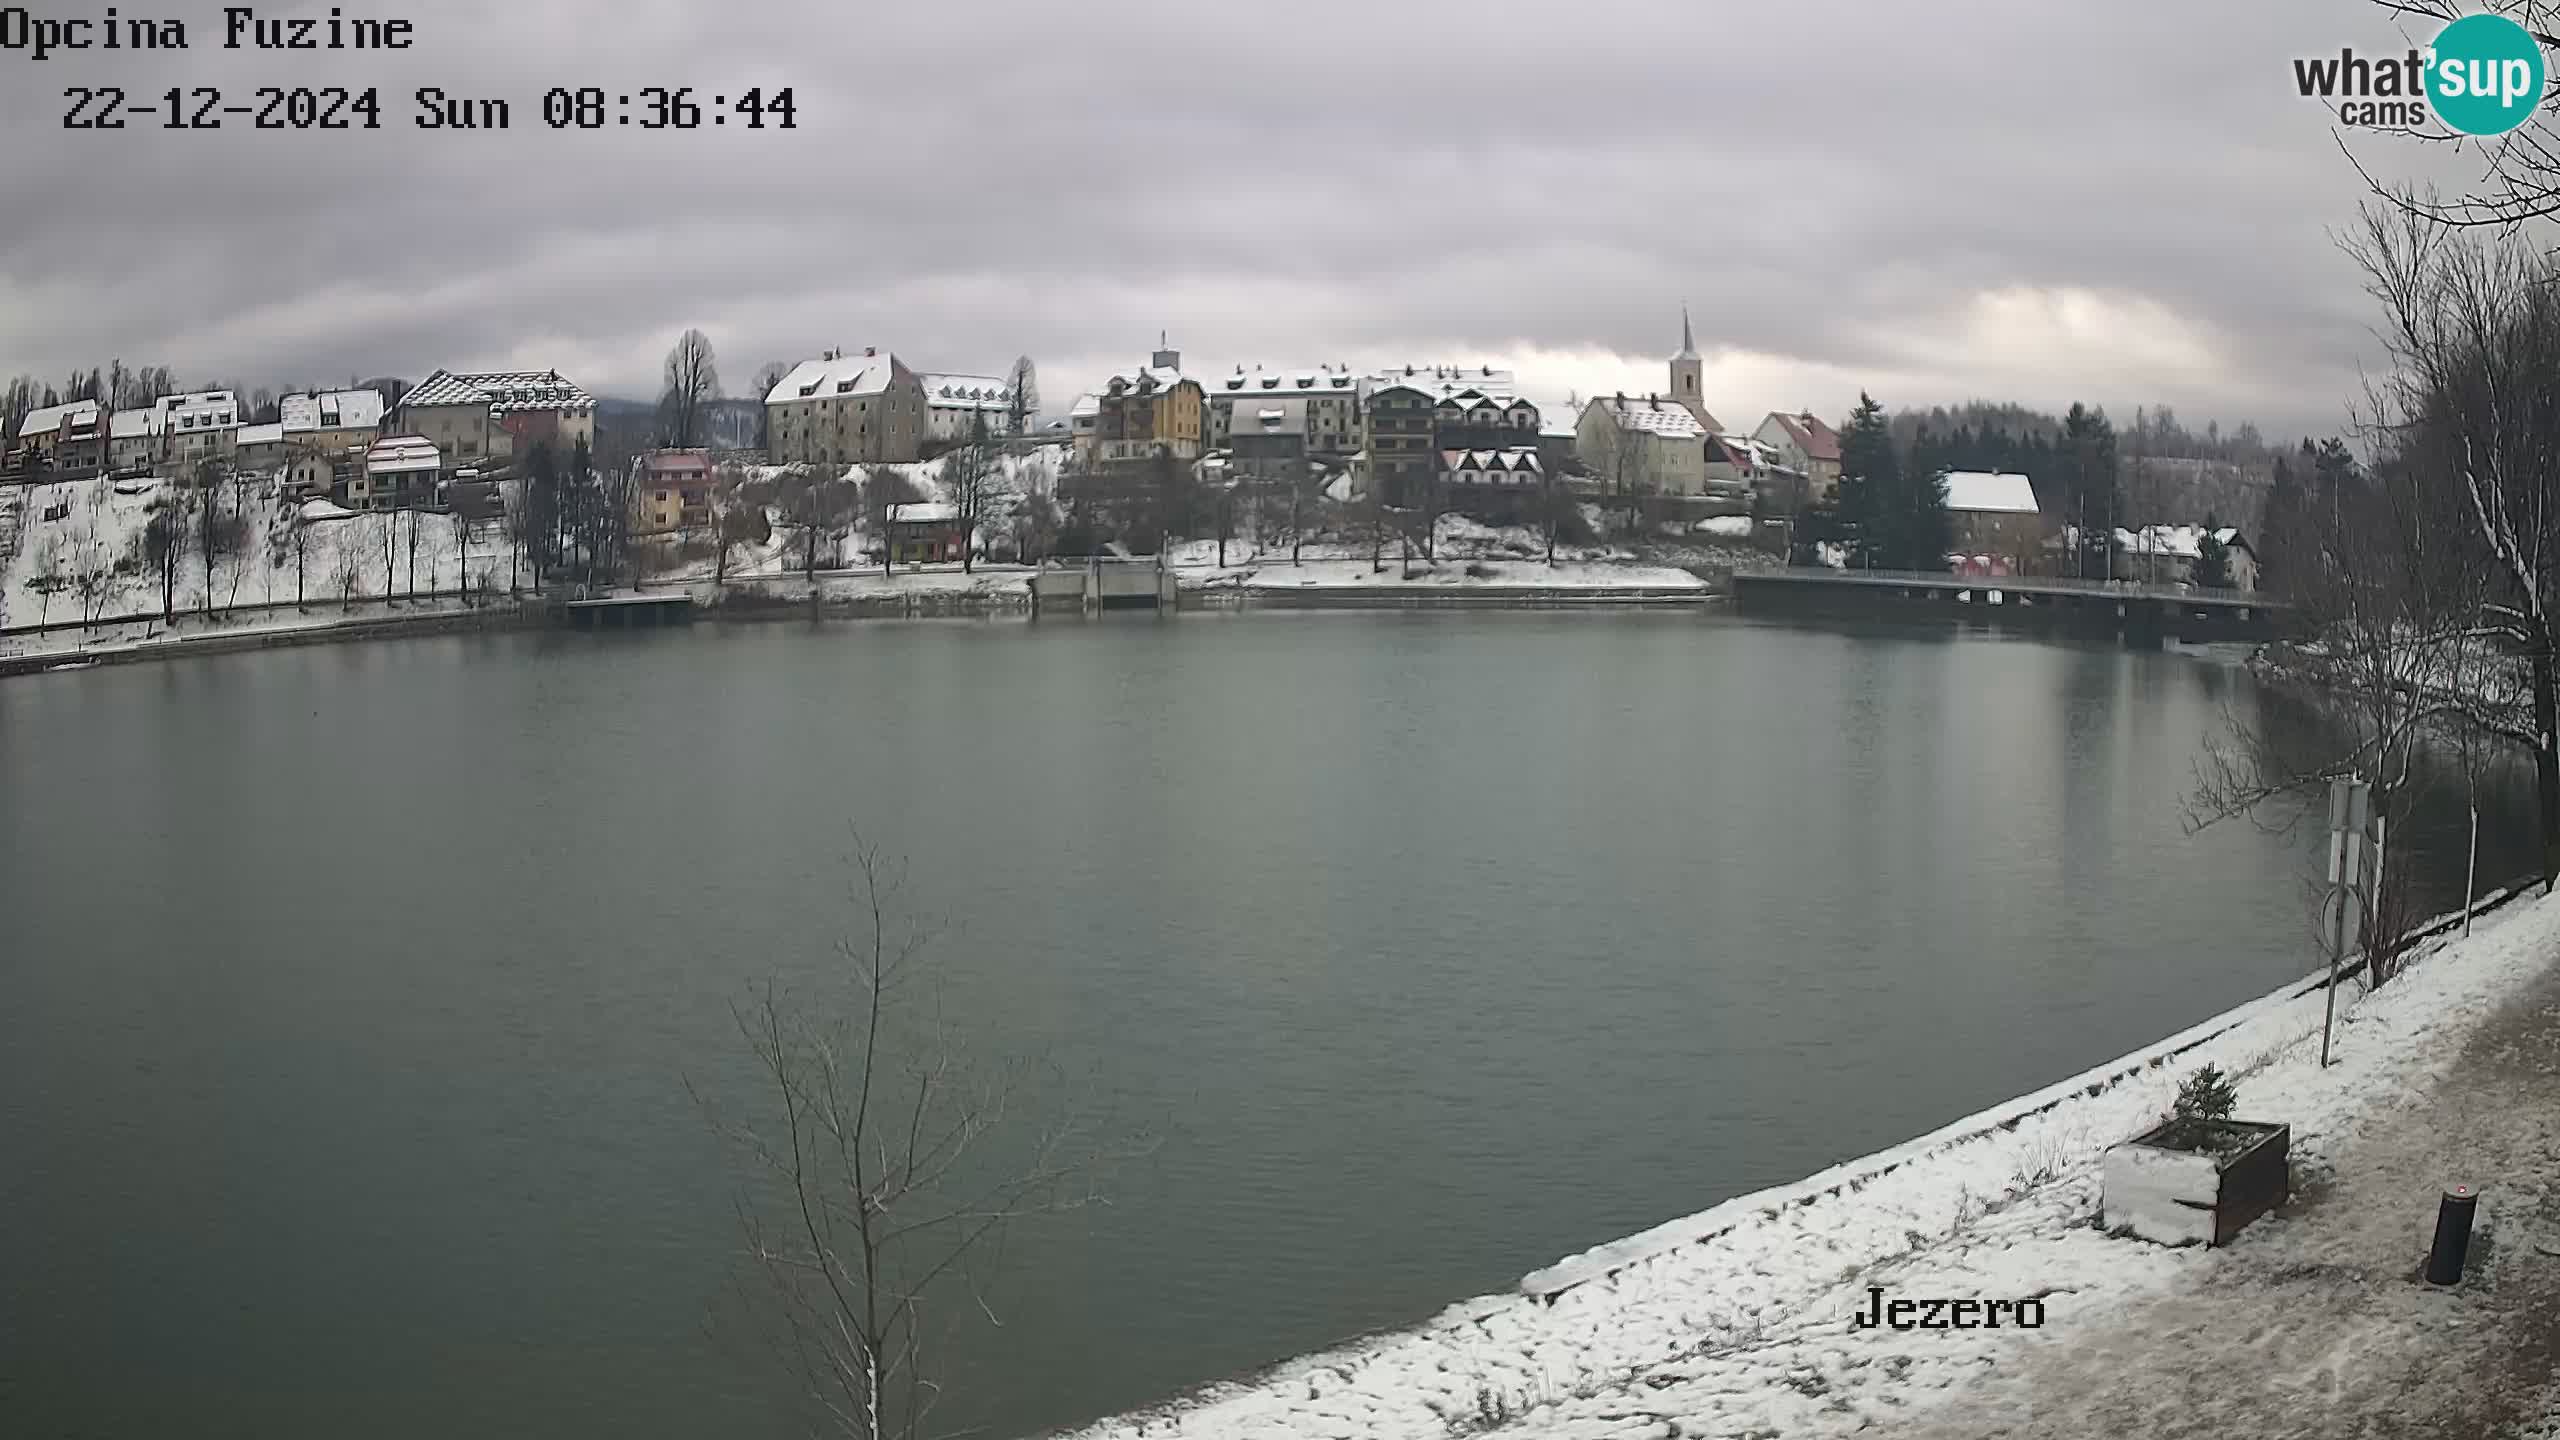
[{"x": 2184, "y": 1196}]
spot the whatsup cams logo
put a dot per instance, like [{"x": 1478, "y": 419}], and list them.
[{"x": 2482, "y": 75}]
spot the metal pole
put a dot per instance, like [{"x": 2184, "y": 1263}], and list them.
[{"x": 2453, "y": 1234}]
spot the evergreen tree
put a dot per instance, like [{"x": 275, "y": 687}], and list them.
[
  {"x": 2280, "y": 531},
  {"x": 1868, "y": 477},
  {"x": 1922, "y": 531},
  {"x": 2087, "y": 462},
  {"x": 2213, "y": 558}
]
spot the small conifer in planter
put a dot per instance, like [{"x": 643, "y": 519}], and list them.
[{"x": 2198, "y": 1176}]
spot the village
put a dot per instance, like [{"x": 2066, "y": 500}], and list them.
[{"x": 468, "y": 484}]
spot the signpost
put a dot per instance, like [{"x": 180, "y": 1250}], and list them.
[{"x": 2348, "y": 802}]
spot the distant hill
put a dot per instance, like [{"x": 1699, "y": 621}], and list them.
[{"x": 726, "y": 424}]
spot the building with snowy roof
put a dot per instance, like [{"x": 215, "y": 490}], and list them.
[
  {"x": 133, "y": 438},
  {"x": 954, "y": 404},
  {"x": 1644, "y": 445},
  {"x": 331, "y": 419},
  {"x": 198, "y": 425},
  {"x": 1154, "y": 411},
  {"x": 1327, "y": 395},
  {"x": 69, "y": 440},
  {"x": 2167, "y": 554},
  {"x": 847, "y": 409},
  {"x": 398, "y": 473},
  {"x": 476, "y": 417},
  {"x": 1805, "y": 443},
  {"x": 1994, "y": 517}
]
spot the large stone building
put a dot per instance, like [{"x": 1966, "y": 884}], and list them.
[
  {"x": 479, "y": 417},
  {"x": 843, "y": 409}
]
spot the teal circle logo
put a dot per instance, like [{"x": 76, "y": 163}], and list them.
[{"x": 2484, "y": 75}]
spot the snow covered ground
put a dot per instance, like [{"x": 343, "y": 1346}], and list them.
[
  {"x": 1737, "y": 1321},
  {"x": 1467, "y": 555},
  {"x": 100, "y": 530}
]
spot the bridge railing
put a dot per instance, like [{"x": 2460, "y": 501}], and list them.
[{"x": 2047, "y": 584}]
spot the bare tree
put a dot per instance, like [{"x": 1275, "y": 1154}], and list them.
[
  {"x": 346, "y": 569},
  {"x": 93, "y": 560},
  {"x": 2473, "y": 329},
  {"x": 2520, "y": 179},
  {"x": 886, "y": 1166},
  {"x": 300, "y": 540},
  {"x": 693, "y": 382},
  {"x": 974, "y": 482},
  {"x": 766, "y": 379},
  {"x": 1021, "y": 398},
  {"x": 46, "y": 562},
  {"x": 164, "y": 541}
]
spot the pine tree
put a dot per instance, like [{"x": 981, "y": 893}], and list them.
[
  {"x": 1868, "y": 479},
  {"x": 2213, "y": 558},
  {"x": 2088, "y": 463}
]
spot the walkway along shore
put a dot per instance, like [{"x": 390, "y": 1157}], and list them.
[{"x": 1738, "y": 1321}]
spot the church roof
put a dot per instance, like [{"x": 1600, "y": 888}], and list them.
[{"x": 1688, "y": 341}]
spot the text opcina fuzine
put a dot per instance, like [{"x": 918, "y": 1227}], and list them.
[
  {"x": 1970, "y": 1314},
  {"x": 243, "y": 27}
]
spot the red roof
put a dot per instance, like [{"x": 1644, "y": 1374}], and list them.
[{"x": 1817, "y": 440}]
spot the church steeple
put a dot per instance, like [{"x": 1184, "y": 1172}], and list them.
[{"x": 1688, "y": 376}]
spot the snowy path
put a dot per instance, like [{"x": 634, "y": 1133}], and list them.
[{"x": 2450, "y": 1072}]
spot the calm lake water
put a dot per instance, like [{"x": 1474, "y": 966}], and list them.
[{"x": 349, "y": 996}]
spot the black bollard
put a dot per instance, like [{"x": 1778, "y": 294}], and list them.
[{"x": 2453, "y": 1235}]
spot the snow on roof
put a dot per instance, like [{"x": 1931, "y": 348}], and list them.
[
  {"x": 1162, "y": 377},
  {"x": 1436, "y": 379},
  {"x": 402, "y": 454},
  {"x": 826, "y": 377},
  {"x": 53, "y": 417},
  {"x": 1817, "y": 440},
  {"x": 316, "y": 509},
  {"x": 503, "y": 391},
  {"x": 1652, "y": 415},
  {"x": 923, "y": 512},
  {"x": 1519, "y": 460},
  {"x": 332, "y": 410},
  {"x": 2179, "y": 542},
  {"x": 1259, "y": 381},
  {"x": 135, "y": 424},
  {"x": 966, "y": 392},
  {"x": 1979, "y": 492},
  {"x": 1087, "y": 406},
  {"x": 261, "y": 435}
]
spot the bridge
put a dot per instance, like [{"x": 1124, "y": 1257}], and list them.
[{"x": 2141, "y": 613}]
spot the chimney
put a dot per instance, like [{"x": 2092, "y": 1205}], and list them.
[{"x": 871, "y": 352}]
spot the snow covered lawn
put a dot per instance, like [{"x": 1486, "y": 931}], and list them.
[{"x": 1738, "y": 1321}]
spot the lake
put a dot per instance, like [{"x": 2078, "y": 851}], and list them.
[{"x": 352, "y": 994}]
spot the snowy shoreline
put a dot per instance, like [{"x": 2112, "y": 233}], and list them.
[{"x": 1736, "y": 1319}]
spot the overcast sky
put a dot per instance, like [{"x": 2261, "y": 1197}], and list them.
[{"x": 2024, "y": 199}]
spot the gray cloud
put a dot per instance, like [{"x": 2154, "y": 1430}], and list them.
[{"x": 2008, "y": 198}]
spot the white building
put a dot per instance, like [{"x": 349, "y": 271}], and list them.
[
  {"x": 1643, "y": 446},
  {"x": 331, "y": 410},
  {"x": 134, "y": 441},
  {"x": 2167, "y": 555},
  {"x": 198, "y": 425},
  {"x": 398, "y": 473},
  {"x": 953, "y": 404}
]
